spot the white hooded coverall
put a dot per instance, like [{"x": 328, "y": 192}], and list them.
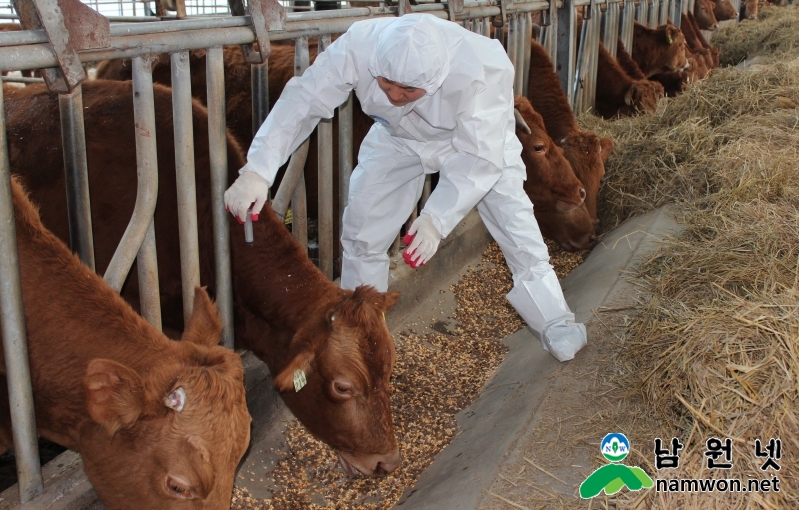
[{"x": 463, "y": 127}]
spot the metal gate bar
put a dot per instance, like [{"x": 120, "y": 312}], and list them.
[
  {"x": 186, "y": 183},
  {"x": 217, "y": 150},
  {"x": 299, "y": 209},
  {"x": 15, "y": 343},
  {"x": 324, "y": 136},
  {"x": 79, "y": 211}
]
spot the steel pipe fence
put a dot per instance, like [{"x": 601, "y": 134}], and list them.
[{"x": 575, "y": 57}]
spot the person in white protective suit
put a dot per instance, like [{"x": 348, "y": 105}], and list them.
[{"x": 442, "y": 101}]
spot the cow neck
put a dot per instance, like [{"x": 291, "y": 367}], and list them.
[
  {"x": 288, "y": 287},
  {"x": 547, "y": 96}
]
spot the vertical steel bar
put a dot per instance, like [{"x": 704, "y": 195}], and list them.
[
  {"x": 259, "y": 83},
  {"x": 186, "y": 185},
  {"x": 528, "y": 37},
  {"x": 487, "y": 27},
  {"x": 299, "y": 208},
  {"x": 511, "y": 48},
  {"x": 146, "y": 173},
  {"x": 664, "y": 12},
  {"x": 325, "y": 193},
  {"x": 654, "y": 8},
  {"x": 521, "y": 30},
  {"x": 628, "y": 21},
  {"x": 577, "y": 87},
  {"x": 596, "y": 20},
  {"x": 217, "y": 147},
  {"x": 344, "y": 159},
  {"x": 147, "y": 264},
  {"x": 566, "y": 48},
  {"x": 427, "y": 189},
  {"x": 79, "y": 211},
  {"x": 15, "y": 343},
  {"x": 146, "y": 159}
]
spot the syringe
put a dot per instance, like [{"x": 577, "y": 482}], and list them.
[{"x": 248, "y": 237}]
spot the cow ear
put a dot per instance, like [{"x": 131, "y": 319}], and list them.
[
  {"x": 606, "y": 147},
  {"x": 204, "y": 326},
  {"x": 114, "y": 394},
  {"x": 293, "y": 376},
  {"x": 389, "y": 299}
]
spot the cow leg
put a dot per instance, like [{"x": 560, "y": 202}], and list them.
[
  {"x": 384, "y": 188},
  {"x": 536, "y": 295}
]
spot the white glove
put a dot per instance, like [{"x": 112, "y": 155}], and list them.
[
  {"x": 424, "y": 239},
  {"x": 249, "y": 189},
  {"x": 564, "y": 339}
]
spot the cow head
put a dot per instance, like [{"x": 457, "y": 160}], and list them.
[
  {"x": 750, "y": 9},
  {"x": 703, "y": 13},
  {"x": 641, "y": 96},
  {"x": 573, "y": 230},
  {"x": 551, "y": 183},
  {"x": 675, "y": 58},
  {"x": 336, "y": 380},
  {"x": 723, "y": 10},
  {"x": 587, "y": 154},
  {"x": 170, "y": 437}
]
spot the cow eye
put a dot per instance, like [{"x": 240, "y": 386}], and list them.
[
  {"x": 178, "y": 487},
  {"x": 539, "y": 147},
  {"x": 342, "y": 389}
]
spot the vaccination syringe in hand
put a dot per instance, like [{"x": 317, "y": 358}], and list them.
[{"x": 248, "y": 237}]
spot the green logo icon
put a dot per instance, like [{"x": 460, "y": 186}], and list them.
[{"x": 613, "y": 477}]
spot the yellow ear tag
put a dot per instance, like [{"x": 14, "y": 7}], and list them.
[
  {"x": 299, "y": 380},
  {"x": 668, "y": 38},
  {"x": 384, "y": 316}
]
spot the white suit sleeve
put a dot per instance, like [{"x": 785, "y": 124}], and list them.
[
  {"x": 479, "y": 143},
  {"x": 305, "y": 100}
]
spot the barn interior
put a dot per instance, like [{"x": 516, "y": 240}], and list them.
[{"x": 689, "y": 298}]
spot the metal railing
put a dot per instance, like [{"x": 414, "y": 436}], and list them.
[{"x": 576, "y": 62}]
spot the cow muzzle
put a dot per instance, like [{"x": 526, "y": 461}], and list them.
[{"x": 370, "y": 465}]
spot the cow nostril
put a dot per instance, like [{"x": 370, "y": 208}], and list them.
[
  {"x": 380, "y": 470},
  {"x": 591, "y": 238},
  {"x": 582, "y": 194}
]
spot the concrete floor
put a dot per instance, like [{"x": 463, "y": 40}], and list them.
[{"x": 493, "y": 429}]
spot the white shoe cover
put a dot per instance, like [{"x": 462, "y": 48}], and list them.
[{"x": 564, "y": 339}]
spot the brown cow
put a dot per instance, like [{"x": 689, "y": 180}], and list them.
[
  {"x": 287, "y": 312},
  {"x": 659, "y": 50},
  {"x": 281, "y": 70},
  {"x": 571, "y": 227},
  {"x": 618, "y": 95},
  {"x": 702, "y": 55},
  {"x": 703, "y": 12},
  {"x": 723, "y": 10},
  {"x": 159, "y": 424},
  {"x": 586, "y": 152},
  {"x": 749, "y": 9},
  {"x": 714, "y": 52}
]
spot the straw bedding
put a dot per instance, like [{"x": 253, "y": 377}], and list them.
[
  {"x": 715, "y": 351},
  {"x": 776, "y": 32}
]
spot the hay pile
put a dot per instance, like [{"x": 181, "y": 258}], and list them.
[
  {"x": 775, "y": 33},
  {"x": 716, "y": 349},
  {"x": 718, "y": 135}
]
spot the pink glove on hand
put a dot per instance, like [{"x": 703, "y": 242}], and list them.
[{"x": 422, "y": 240}]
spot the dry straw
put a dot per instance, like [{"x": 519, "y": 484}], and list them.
[
  {"x": 776, "y": 32},
  {"x": 716, "y": 349}
]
